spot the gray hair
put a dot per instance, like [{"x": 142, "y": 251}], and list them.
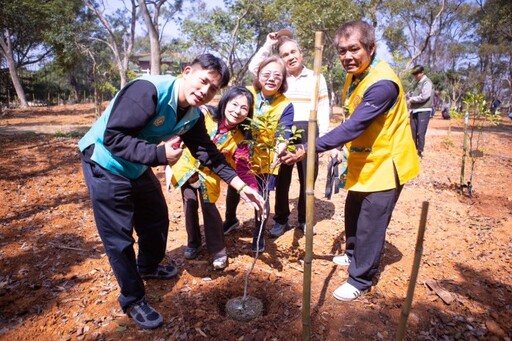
[
  {"x": 283, "y": 40},
  {"x": 367, "y": 32}
]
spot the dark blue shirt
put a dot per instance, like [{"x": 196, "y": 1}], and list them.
[{"x": 377, "y": 100}]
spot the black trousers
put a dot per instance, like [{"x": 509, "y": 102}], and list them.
[
  {"x": 284, "y": 179},
  {"x": 121, "y": 205},
  {"x": 419, "y": 125},
  {"x": 367, "y": 216},
  {"x": 213, "y": 232},
  {"x": 232, "y": 200}
]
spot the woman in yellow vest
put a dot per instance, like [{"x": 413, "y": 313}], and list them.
[
  {"x": 268, "y": 88},
  {"x": 224, "y": 124}
]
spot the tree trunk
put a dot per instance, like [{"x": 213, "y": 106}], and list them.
[
  {"x": 122, "y": 70},
  {"x": 76, "y": 89},
  {"x": 97, "y": 103},
  {"x": 153, "y": 39},
  {"x": 17, "y": 84},
  {"x": 6, "y": 47}
]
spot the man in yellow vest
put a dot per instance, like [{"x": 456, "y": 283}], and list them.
[{"x": 381, "y": 153}]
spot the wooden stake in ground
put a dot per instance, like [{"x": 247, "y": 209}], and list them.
[
  {"x": 414, "y": 274},
  {"x": 310, "y": 194},
  {"x": 464, "y": 153}
]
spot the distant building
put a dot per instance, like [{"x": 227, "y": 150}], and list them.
[{"x": 171, "y": 63}]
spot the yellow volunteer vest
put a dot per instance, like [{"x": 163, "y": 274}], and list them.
[
  {"x": 263, "y": 159},
  {"x": 187, "y": 165},
  {"x": 387, "y": 141}
]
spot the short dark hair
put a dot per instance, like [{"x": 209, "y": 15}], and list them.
[
  {"x": 208, "y": 61},
  {"x": 367, "y": 33},
  {"x": 235, "y": 91},
  {"x": 417, "y": 69},
  {"x": 272, "y": 59}
]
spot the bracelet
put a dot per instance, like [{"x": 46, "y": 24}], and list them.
[{"x": 241, "y": 188}]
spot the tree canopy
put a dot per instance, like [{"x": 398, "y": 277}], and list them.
[
  {"x": 462, "y": 43},
  {"x": 29, "y": 30}
]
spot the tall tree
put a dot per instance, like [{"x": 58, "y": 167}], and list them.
[
  {"x": 23, "y": 25},
  {"x": 494, "y": 22},
  {"x": 68, "y": 42},
  {"x": 151, "y": 16},
  {"x": 234, "y": 32},
  {"x": 120, "y": 29},
  {"x": 455, "y": 44},
  {"x": 410, "y": 26}
]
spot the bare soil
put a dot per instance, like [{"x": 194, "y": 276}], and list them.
[{"x": 56, "y": 283}]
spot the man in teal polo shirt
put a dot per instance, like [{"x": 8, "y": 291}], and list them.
[{"x": 144, "y": 127}]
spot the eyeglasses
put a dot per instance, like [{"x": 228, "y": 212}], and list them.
[{"x": 277, "y": 76}]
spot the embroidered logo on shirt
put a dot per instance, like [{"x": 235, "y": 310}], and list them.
[{"x": 159, "y": 121}]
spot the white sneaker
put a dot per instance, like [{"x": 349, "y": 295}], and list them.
[
  {"x": 342, "y": 260},
  {"x": 220, "y": 263},
  {"x": 220, "y": 260},
  {"x": 347, "y": 292}
]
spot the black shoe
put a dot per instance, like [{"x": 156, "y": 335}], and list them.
[
  {"x": 279, "y": 229},
  {"x": 161, "y": 272},
  {"x": 144, "y": 315},
  {"x": 230, "y": 226},
  {"x": 261, "y": 245},
  {"x": 191, "y": 252}
]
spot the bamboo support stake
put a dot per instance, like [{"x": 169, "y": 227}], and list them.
[
  {"x": 414, "y": 274},
  {"x": 464, "y": 153},
  {"x": 310, "y": 194}
]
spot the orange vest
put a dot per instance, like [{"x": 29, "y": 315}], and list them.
[{"x": 385, "y": 144}]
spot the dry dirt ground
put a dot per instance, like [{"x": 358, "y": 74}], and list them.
[{"x": 56, "y": 283}]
